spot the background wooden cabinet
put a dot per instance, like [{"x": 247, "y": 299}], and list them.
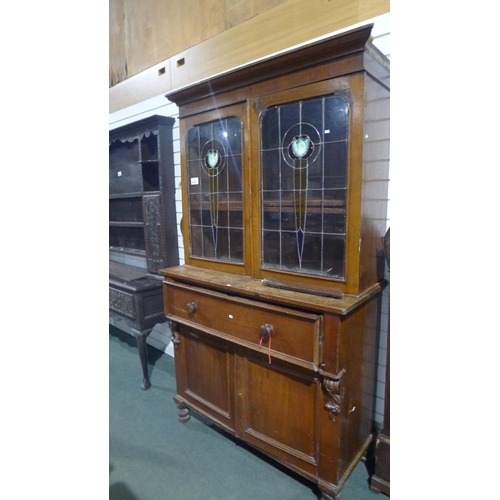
[
  {"x": 142, "y": 219},
  {"x": 142, "y": 224}
]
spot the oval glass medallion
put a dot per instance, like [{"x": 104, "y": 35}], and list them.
[{"x": 212, "y": 158}]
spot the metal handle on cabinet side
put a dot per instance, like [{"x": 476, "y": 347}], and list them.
[{"x": 191, "y": 308}]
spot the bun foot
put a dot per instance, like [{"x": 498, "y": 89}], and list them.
[{"x": 182, "y": 412}]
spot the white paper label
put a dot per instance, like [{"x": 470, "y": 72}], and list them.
[
  {"x": 194, "y": 181},
  {"x": 119, "y": 174}
]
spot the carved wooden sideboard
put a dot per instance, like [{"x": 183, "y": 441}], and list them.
[
  {"x": 275, "y": 314},
  {"x": 142, "y": 224}
]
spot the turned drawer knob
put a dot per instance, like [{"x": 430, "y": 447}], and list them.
[
  {"x": 266, "y": 331},
  {"x": 191, "y": 308}
]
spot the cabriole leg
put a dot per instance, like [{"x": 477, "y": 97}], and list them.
[{"x": 143, "y": 355}]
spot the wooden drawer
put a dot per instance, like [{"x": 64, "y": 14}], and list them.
[{"x": 294, "y": 335}]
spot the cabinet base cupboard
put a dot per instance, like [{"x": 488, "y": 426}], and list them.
[{"x": 275, "y": 314}]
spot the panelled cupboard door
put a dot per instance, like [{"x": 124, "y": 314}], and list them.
[
  {"x": 272, "y": 405},
  {"x": 277, "y": 406},
  {"x": 204, "y": 368}
]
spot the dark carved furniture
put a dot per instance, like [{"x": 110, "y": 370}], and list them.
[
  {"x": 142, "y": 224},
  {"x": 274, "y": 316}
]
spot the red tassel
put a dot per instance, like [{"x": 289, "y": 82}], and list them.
[{"x": 260, "y": 343}]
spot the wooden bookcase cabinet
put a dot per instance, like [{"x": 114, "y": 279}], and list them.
[
  {"x": 274, "y": 316},
  {"x": 142, "y": 224}
]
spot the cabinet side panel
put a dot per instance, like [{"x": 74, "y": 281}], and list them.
[
  {"x": 376, "y": 156},
  {"x": 357, "y": 355},
  {"x": 167, "y": 190}
]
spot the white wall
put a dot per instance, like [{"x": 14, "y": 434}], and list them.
[
  {"x": 160, "y": 105},
  {"x": 381, "y": 38}
]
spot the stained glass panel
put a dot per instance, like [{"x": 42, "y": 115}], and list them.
[
  {"x": 215, "y": 190},
  {"x": 304, "y": 183}
]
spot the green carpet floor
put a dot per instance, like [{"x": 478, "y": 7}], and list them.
[{"x": 155, "y": 457}]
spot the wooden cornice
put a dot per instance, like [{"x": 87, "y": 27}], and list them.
[{"x": 313, "y": 54}]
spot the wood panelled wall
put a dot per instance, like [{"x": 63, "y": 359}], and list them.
[
  {"x": 144, "y": 33},
  {"x": 157, "y": 46}
]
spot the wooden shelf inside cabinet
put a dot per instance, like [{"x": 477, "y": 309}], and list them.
[
  {"x": 126, "y": 224},
  {"x": 221, "y": 205},
  {"x": 142, "y": 224},
  {"x": 130, "y": 251},
  {"x": 312, "y": 206},
  {"x": 125, "y": 196},
  {"x": 274, "y": 314}
]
